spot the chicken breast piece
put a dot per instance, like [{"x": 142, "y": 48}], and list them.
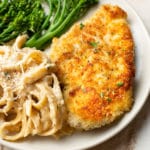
[{"x": 95, "y": 61}]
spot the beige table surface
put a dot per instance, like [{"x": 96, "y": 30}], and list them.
[{"x": 136, "y": 136}]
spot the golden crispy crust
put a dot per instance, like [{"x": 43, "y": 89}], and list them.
[{"x": 95, "y": 63}]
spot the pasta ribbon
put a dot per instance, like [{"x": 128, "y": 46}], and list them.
[{"x": 31, "y": 101}]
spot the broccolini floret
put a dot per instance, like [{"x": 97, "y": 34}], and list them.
[{"x": 22, "y": 16}]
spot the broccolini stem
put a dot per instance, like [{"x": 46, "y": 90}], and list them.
[
  {"x": 7, "y": 18},
  {"x": 45, "y": 24},
  {"x": 47, "y": 21},
  {"x": 60, "y": 18},
  {"x": 3, "y": 5},
  {"x": 10, "y": 37},
  {"x": 49, "y": 35},
  {"x": 57, "y": 12},
  {"x": 6, "y": 31}
]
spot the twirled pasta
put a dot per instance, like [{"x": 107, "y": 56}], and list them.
[{"x": 31, "y": 102}]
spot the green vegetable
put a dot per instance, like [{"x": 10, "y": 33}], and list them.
[
  {"x": 28, "y": 16},
  {"x": 3, "y": 6},
  {"x": 65, "y": 13},
  {"x": 21, "y": 16}
]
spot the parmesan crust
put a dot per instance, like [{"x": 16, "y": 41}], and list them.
[{"x": 95, "y": 62}]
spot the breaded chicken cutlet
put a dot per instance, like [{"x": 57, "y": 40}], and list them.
[{"x": 95, "y": 61}]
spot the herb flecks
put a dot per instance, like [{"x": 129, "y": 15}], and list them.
[
  {"x": 109, "y": 99},
  {"x": 120, "y": 84},
  {"x": 94, "y": 44},
  {"x": 82, "y": 25},
  {"x": 105, "y": 97}
]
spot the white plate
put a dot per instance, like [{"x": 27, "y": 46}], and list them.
[{"x": 142, "y": 87}]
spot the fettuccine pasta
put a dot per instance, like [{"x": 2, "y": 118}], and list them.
[{"x": 31, "y": 102}]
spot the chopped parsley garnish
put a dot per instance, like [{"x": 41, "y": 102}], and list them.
[
  {"x": 82, "y": 25},
  {"x": 119, "y": 84},
  {"x": 109, "y": 99},
  {"x": 94, "y": 44}
]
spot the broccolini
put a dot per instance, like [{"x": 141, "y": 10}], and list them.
[{"x": 28, "y": 16}]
